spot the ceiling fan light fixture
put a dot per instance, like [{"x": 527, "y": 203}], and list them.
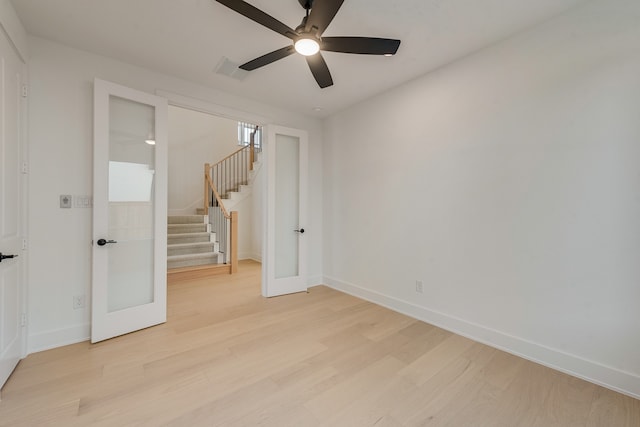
[
  {"x": 307, "y": 46},
  {"x": 150, "y": 139}
]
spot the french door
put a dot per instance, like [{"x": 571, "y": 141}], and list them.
[
  {"x": 285, "y": 269},
  {"x": 12, "y": 289},
  {"x": 129, "y": 288}
]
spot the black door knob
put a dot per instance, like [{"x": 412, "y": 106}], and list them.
[
  {"x": 7, "y": 256},
  {"x": 301, "y": 231},
  {"x": 102, "y": 242}
]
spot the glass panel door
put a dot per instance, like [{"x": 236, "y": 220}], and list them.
[
  {"x": 131, "y": 203},
  {"x": 130, "y": 208},
  {"x": 287, "y": 206},
  {"x": 285, "y": 257}
]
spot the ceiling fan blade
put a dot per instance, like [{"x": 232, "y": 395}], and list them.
[
  {"x": 255, "y": 14},
  {"x": 319, "y": 70},
  {"x": 268, "y": 58},
  {"x": 322, "y": 13},
  {"x": 361, "y": 45}
]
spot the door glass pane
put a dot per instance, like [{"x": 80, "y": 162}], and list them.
[
  {"x": 131, "y": 203},
  {"x": 286, "y": 205}
]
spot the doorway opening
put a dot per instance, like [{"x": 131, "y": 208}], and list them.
[{"x": 196, "y": 138}]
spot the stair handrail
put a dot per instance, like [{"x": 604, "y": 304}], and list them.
[
  {"x": 209, "y": 187},
  {"x": 231, "y": 155}
]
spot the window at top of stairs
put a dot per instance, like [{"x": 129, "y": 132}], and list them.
[{"x": 244, "y": 134}]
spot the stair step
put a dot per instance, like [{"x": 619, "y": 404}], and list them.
[
  {"x": 186, "y": 228},
  {"x": 186, "y": 219},
  {"x": 190, "y": 248},
  {"x": 177, "y": 261},
  {"x": 174, "y": 239}
]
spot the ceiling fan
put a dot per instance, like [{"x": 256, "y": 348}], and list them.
[{"x": 307, "y": 37}]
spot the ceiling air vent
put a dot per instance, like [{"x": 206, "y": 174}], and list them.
[{"x": 230, "y": 69}]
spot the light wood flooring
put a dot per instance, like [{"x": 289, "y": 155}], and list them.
[{"x": 228, "y": 357}]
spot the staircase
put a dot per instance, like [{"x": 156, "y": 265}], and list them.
[
  {"x": 207, "y": 243},
  {"x": 190, "y": 242}
]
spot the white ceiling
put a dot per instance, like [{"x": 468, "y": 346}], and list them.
[{"x": 188, "y": 38}]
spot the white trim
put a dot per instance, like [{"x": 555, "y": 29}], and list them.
[
  {"x": 24, "y": 136},
  {"x": 59, "y": 337},
  {"x": 205, "y": 106},
  {"x": 313, "y": 281},
  {"x": 255, "y": 256},
  {"x": 245, "y": 255},
  {"x": 606, "y": 376}
]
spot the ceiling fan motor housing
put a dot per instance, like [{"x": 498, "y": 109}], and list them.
[{"x": 306, "y": 3}]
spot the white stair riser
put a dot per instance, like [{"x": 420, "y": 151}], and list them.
[
  {"x": 186, "y": 219},
  {"x": 196, "y": 238},
  {"x": 212, "y": 259},
  {"x": 191, "y": 249},
  {"x": 186, "y": 228}
]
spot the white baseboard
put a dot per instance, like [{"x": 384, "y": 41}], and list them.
[
  {"x": 315, "y": 281},
  {"x": 597, "y": 373},
  {"x": 59, "y": 337},
  {"x": 254, "y": 256}
]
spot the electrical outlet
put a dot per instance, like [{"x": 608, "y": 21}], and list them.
[
  {"x": 419, "y": 288},
  {"x": 78, "y": 302},
  {"x": 65, "y": 201}
]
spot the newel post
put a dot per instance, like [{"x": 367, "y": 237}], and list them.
[
  {"x": 207, "y": 168},
  {"x": 234, "y": 242}
]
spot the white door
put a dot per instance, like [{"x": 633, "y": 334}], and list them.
[
  {"x": 129, "y": 282},
  {"x": 11, "y": 210},
  {"x": 285, "y": 266}
]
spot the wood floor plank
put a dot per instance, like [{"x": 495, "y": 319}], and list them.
[
  {"x": 462, "y": 386},
  {"x": 613, "y": 409},
  {"x": 433, "y": 361},
  {"x": 372, "y": 407},
  {"x": 524, "y": 400},
  {"x": 568, "y": 403},
  {"x": 228, "y": 357},
  {"x": 355, "y": 387}
]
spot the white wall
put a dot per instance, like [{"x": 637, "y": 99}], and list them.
[
  {"x": 195, "y": 138},
  {"x": 244, "y": 207},
  {"x": 11, "y": 25},
  {"x": 509, "y": 182},
  {"x": 60, "y": 149}
]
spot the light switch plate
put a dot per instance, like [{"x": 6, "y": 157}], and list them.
[
  {"x": 65, "y": 201},
  {"x": 82, "y": 201}
]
